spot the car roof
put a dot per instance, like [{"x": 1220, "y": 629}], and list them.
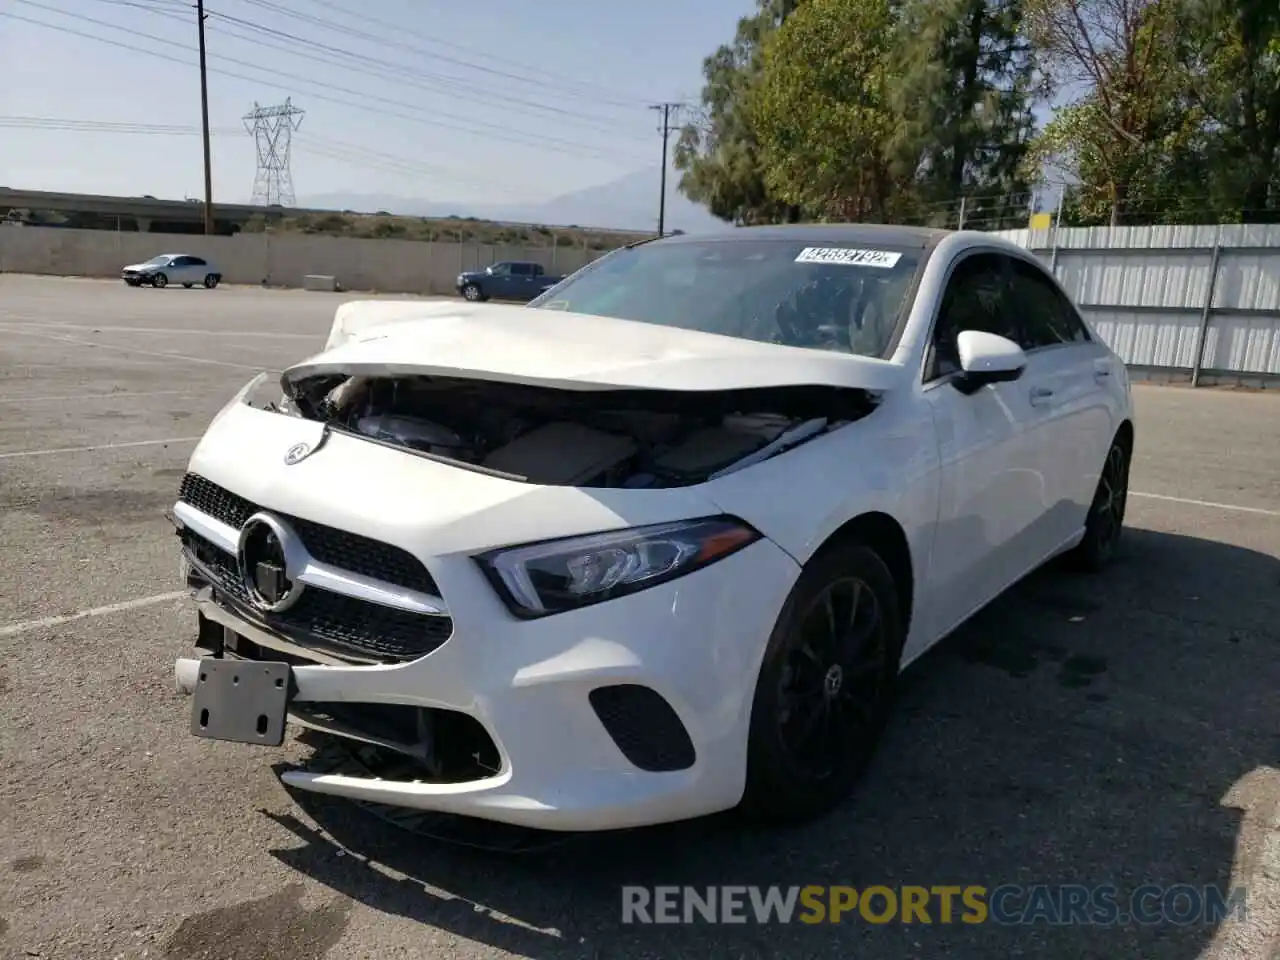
[{"x": 894, "y": 235}]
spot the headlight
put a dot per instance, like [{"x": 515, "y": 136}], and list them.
[{"x": 539, "y": 579}]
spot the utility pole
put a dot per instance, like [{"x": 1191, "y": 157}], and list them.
[
  {"x": 667, "y": 110},
  {"x": 204, "y": 122}
]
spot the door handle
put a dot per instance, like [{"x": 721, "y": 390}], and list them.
[
  {"x": 1040, "y": 396},
  {"x": 1101, "y": 370}
]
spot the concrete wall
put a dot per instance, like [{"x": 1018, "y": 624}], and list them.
[
  {"x": 392, "y": 266},
  {"x": 1174, "y": 299}
]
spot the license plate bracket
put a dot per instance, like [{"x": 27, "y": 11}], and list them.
[{"x": 241, "y": 701}]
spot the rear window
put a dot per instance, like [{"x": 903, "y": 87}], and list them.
[{"x": 845, "y": 297}]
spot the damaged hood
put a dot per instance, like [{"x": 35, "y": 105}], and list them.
[{"x": 571, "y": 351}]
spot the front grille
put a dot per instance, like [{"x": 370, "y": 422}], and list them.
[
  {"x": 325, "y": 620},
  {"x": 350, "y": 551}
]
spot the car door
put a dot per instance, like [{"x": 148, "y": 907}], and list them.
[
  {"x": 523, "y": 287},
  {"x": 500, "y": 280},
  {"x": 1070, "y": 417},
  {"x": 196, "y": 269},
  {"x": 180, "y": 270},
  {"x": 989, "y": 492}
]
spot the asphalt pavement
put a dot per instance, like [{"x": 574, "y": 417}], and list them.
[{"x": 1117, "y": 730}]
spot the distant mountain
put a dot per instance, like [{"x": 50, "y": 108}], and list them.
[{"x": 629, "y": 203}]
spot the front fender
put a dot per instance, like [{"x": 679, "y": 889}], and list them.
[{"x": 885, "y": 463}]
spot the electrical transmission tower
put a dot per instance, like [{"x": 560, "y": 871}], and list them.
[{"x": 272, "y": 129}]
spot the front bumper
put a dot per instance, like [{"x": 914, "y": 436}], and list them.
[{"x": 666, "y": 740}]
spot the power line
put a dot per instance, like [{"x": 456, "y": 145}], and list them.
[
  {"x": 536, "y": 141},
  {"x": 569, "y": 87},
  {"x": 431, "y": 82},
  {"x": 103, "y": 126},
  {"x": 356, "y": 155}
]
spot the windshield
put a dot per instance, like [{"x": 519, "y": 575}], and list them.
[
  {"x": 160, "y": 259},
  {"x": 844, "y": 297}
]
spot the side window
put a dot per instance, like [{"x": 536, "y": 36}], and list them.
[
  {"x": 501, "y": 269},
  {"x": 520, "y": 270},
  {"x": 195, "y": 262},
  {"x": 976, "y": 298},
  {"x": 1045, "y": 316}
]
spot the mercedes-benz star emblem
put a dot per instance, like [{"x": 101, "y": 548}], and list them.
[
  {"x": 297, "y": 453},
  {"x": 270, "y": 555}
]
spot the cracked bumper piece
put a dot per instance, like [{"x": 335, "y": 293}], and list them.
[{"x": 626, "y": 713}]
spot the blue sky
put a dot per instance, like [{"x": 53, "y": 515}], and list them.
[{"x": 484, "y": 100}]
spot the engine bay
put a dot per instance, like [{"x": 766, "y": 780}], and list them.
[{"x": 621, "y": 438}]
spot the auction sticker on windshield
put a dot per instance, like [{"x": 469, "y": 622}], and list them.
[{"x": 849, "y": 258}]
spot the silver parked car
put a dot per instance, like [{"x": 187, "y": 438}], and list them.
[{"x": 170, "y": 268}]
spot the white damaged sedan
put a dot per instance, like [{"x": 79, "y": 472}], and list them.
[{"x": 657, "y": 544}]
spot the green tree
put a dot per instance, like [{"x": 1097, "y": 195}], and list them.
[
  {"x": 1133, "y": 128},
  {"x": 821, "y": 111},
  {"x": 1231, "y": 55},
  {"x": 718, "y": 155},
  {"x": 966, "y": 83}
]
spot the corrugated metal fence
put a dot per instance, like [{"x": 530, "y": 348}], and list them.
[{"x": 1198, "y": 303}]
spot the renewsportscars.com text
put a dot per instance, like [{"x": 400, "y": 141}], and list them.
[{"x": 1009, "y": 905}]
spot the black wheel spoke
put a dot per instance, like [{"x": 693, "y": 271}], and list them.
[
  {"x": 808, "y": 653},
  {"x": 1109, "y": 501},
  {"x": 811, "y": 719},
  {"x": 829, "y": 609},
  {"x": 864, "y": 668},
  {"x": 833, "y": 678}
]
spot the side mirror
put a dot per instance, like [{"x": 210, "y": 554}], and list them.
[
  {"x": 987, "y": 358},
  {"x": 489, "y": 271}
]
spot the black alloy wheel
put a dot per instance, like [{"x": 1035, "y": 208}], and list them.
[
  {"x": 831, "y": 680},
  {"x": 1105, "y": 522},
  {"x": 826, "y": 687}
]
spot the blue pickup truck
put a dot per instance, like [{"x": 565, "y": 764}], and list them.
[{"x": 508, "y": 280}]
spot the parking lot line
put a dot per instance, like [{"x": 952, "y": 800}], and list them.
[
  {"x": 99, "y": 396},
  {"x": 100, "y": 446},
  {"x": 140, "y": 352},
  {"x": 1234, "y": 507},
  {"x": 23, "y": 626},
  {"x": 167, "y": 331}
]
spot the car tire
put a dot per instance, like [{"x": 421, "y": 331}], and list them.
[
  {"x": 803, "y": 682},
  {"x": 211, "y": 281},
  {"x": 1105, "y": 523},
  {"x": 473, "y": 293},
  {"x": 159, "y": 280}
]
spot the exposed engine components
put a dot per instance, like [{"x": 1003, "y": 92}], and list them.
[
  {"x": 565, "y": 453},
  {"x": 631, "y": 439},
  {"x": 413, "y": 432},
  {"x": 704, "y": 452}
]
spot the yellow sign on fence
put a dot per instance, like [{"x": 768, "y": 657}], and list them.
[{"x": 1041, "y": 221}]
